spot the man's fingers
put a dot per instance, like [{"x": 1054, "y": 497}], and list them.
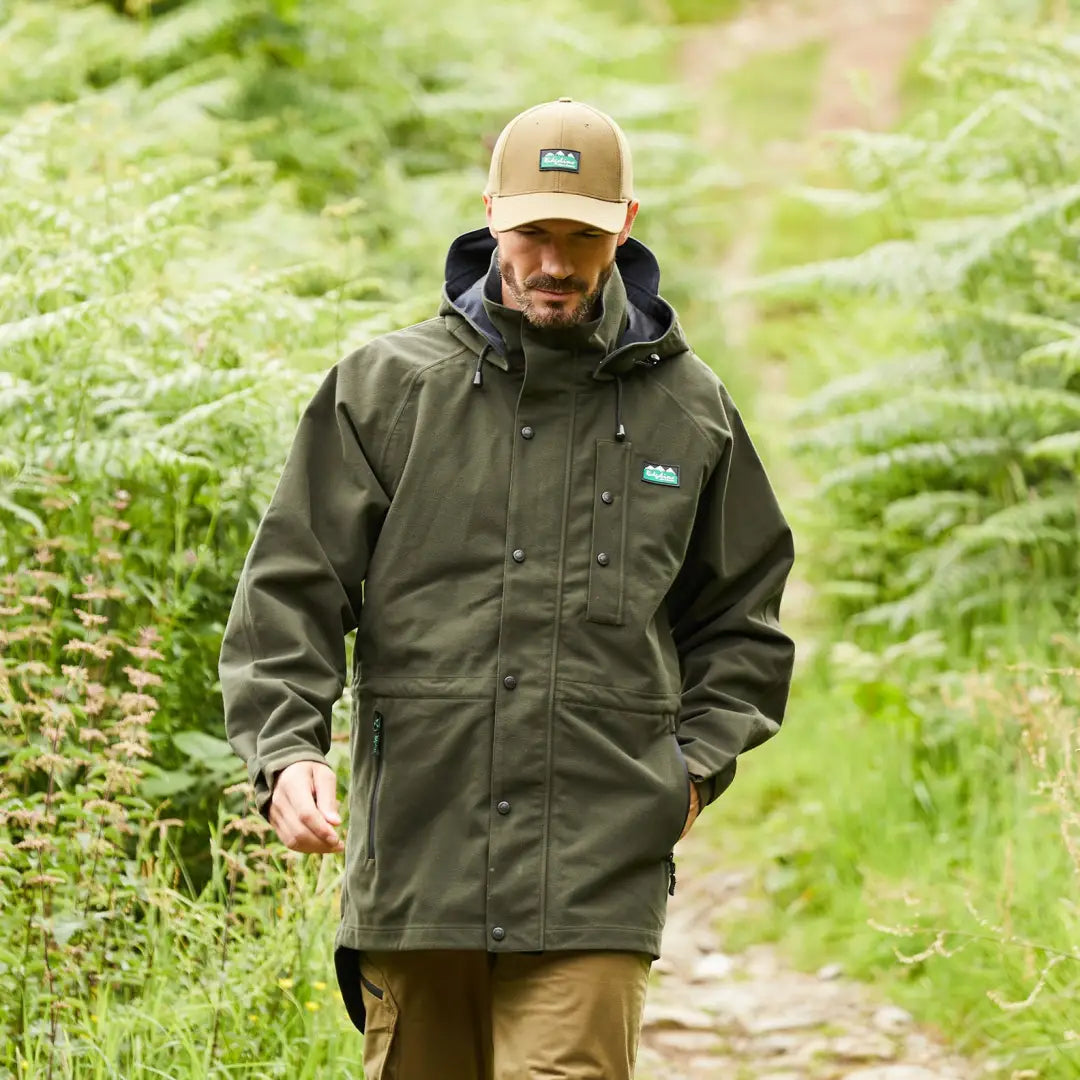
[
  {"x": 312, "y": 819},
  {"x": 306, "y": 832},
  {"x": 692, "y": 813},
  {"x": 326, "y": 793}
]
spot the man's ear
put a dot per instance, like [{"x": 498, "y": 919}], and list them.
[
  {"x": 631, "y": 213},
  {"x": 487, "y": 211}
]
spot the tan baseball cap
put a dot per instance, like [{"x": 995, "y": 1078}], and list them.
[{"x": 562, "y": 159}]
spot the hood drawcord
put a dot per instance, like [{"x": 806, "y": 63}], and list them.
[
  {"x": 478, "y": 375},
  {"x": 620, "y": 431}
]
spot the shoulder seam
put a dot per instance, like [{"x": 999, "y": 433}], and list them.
[
  {"x": 687, "y": 413},
  {"x": 408, "y": 394}
]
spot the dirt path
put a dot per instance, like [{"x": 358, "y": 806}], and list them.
[
  {"x": 868, "y": 42},
  {"x": 751, "y": 1016}
]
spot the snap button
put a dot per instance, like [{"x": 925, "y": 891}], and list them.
[
  {"x": 603, "y": 558},
  {"x": 519, "y": 555},
  {"x": 527, "y": 432},
  {"x": 509, "y": 682},
  {"x": 498, "y": 933},
  {"x": 503, "y": 807},
  {"x": 607, "y": 497}
]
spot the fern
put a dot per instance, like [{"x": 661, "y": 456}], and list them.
[{"x": 958, "y": 451}]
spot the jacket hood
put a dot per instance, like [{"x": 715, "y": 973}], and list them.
[{"x": 650, "y": 332}]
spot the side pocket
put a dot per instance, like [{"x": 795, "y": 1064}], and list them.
[
  {"x": 377, "y": 751},
  {"x": 686, "y": 770},
  {"x": 381, "y": 1024},
  {"x": 607, "y": 559}
]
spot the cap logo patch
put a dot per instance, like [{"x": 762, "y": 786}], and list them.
[
  {"x": 666, "y": 475},
  {"x": 560, "y": 161}
]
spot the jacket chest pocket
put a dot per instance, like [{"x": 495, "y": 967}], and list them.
[
  {"x": 642, "y": 519},
  {"x": 607, "y": 562}
]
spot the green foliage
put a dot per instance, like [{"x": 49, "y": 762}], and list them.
[
  {"x": 950, "y": 481},
  {"x": 101, "y": 924},
  {"x": 163, "y": 284},
  {"x": 198, "y": 205},
  {"x": 921, "y": 829},
  {"x": 679, "y": 11},
  {"x": 149, "y": 332},
  {"x": 770, "y": 97}
]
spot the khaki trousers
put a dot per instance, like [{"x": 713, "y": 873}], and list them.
[{"x": 473, "y": 1015}]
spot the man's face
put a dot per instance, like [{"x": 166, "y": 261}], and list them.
[{"x": 553, "y": 271}]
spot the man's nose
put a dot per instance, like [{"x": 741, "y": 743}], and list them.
[{"x": 556, "y": 261}]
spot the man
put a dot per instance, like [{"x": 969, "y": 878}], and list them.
[{"x": 543, "y": 515}]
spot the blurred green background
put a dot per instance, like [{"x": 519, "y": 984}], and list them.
[{"x": 866, "y": 214}]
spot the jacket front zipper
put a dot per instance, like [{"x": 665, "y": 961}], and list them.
[{"x": 377, "y": 752}]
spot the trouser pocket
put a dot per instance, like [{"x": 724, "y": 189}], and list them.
[{"x": 381, "y": 1023}]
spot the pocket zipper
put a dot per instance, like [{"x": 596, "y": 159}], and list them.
[
  {"x": 377, "y": 752},
  {"x": 671, "y": 873}
]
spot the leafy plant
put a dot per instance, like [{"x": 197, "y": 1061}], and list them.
[
  {"x": 102, "y": 923},
  {"x": 948, "y": 466}
]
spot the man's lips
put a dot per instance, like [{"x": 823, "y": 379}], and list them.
[{"x": 555, "y": 295}]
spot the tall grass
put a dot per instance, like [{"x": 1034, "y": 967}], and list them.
[{"x": 112, "y": 966}]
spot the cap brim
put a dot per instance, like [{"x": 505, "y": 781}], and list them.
[{"x": 510, "y": 211}]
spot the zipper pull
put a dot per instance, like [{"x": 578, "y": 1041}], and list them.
[
  {"x": 671, "y": 873},
  {"x": 376, "y": 734}
]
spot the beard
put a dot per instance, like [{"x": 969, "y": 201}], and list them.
[{"x": 554, "y": 318}]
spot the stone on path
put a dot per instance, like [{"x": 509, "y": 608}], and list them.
[
  {"x": 892, "y": 1019},
  {"x": 897, "y": 1072},
  {"x": 868, "y": 1046},
  {"x": 799, "y": 1048},
  {"x": 666, "y": 1016},
  {"x": 686, "y": 1041},
  {"x": 713, "y": 965},
  {"x": 830, "y": 972}
]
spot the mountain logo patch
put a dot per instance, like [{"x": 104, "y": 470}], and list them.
[
  {"x": 560, "y": 161},
  {"x": 665, "y": 475}
]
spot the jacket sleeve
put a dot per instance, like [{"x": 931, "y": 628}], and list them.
[
  {"x": 282, "y": 663},
  {"x": 724, "y": 611}
]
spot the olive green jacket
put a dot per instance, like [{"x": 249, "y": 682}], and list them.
[{"x": 564, "y": 563}]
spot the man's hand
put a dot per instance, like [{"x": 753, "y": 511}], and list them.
[
  {"x": 303, "y": 808},
  {"x": 695, "y": 808}
]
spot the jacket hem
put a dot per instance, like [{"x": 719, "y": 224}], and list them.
[
  {"x": 556, "y": 938},
  {"x": 413, "y": 936}
]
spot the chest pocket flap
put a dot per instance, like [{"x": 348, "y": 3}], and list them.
[{"x": 607, "y": 561}]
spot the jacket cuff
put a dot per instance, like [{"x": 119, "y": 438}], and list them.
[{"x": 711, "y": 786}]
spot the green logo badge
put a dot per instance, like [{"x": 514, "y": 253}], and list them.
[
  {"x": 667, "y": 475},
  {"x": 560, "y": 161}
]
